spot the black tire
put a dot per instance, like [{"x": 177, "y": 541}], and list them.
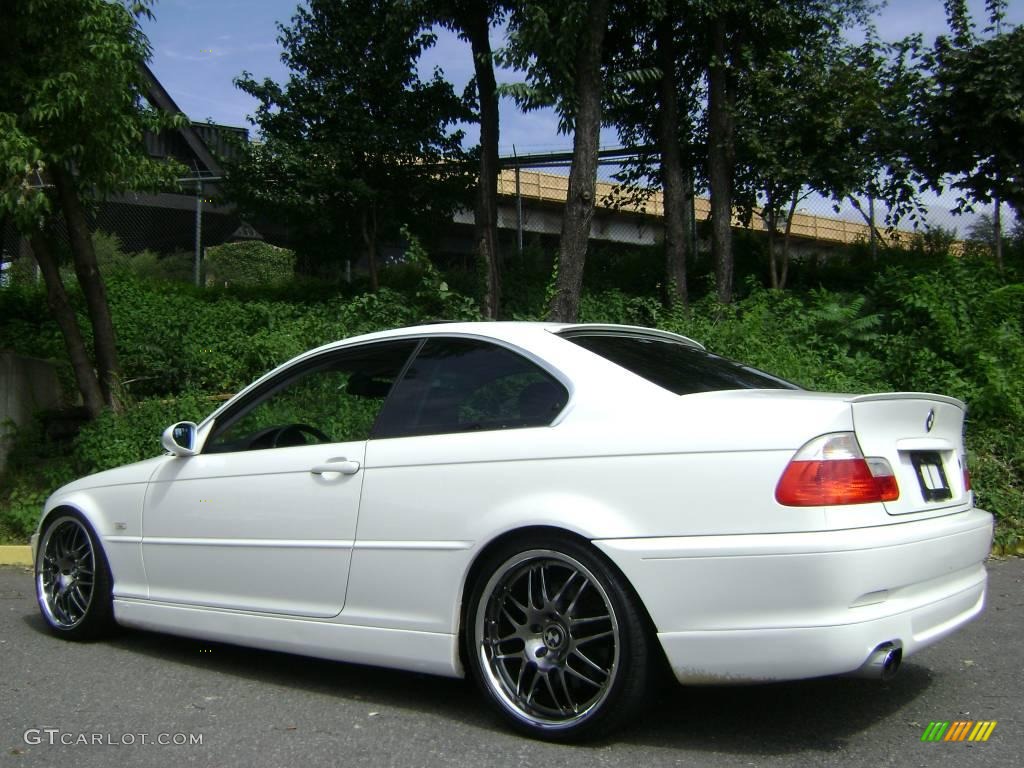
[
  {"x": 73, "y": 581},
  {"x": 556, "y": 640}
]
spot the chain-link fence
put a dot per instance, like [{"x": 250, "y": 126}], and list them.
[{"x": 162, "y": 234}]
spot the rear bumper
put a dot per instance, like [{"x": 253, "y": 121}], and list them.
[{"x": 767, "y": 607}]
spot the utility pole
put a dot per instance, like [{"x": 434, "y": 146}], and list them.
[
  {"x": 197, "y": 261},
  {"x": 519, "y": 207},
  {"x": 871, "y": 226},
  {"x": 997, "y": 231}
]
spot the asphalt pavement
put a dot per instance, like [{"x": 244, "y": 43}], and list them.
[{"x": 146, "y": 699}]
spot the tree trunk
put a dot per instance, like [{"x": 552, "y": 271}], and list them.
[
  {"x": 721, "y": 155},
  {"x": 997, "y": 227},
  {"x": 93, "y": 288},
  {"x": 3, "y": 237},
  {"x": 786, "y": 239},
  {"x": 60, "y": 308},
  {"x": 369, "y": 226},
  {"x": 869, "y": 218},
  {"x": 771, "y": 223},
  {"x": 579, "y": 206},
  {"x": 874, "y": 234},
  {"x": 485, "y": 216},
  {"x": 672, "y": 178}
]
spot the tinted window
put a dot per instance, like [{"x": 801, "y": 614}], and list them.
[
  {"x": 678, "y": 367},
  {"x": 460, "y": 385},
  {"x": 333, "y": 399}
]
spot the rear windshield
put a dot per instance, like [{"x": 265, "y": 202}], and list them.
[{"x": 678, "y": 367}]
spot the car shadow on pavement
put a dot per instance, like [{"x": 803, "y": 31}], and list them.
[
  {"x": 371, "y": 685},
  {"x": 773, "y": 719},
  {"x": 777, "y": 718}
]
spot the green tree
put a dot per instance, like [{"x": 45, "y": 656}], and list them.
[
  {"x": 875, "y": 156},
  {"x": 675, "y": 140},
  {"x": 71, "y": 127},
  {"x": 660, "y": 44},
  {"x": 784, "y": 134},
  {"x": 801, "y": 130},
  {"x": 974, "y": 110},
  {"x": 749, "y": 99},
  {"x": 355, "y": 144},
  {"x": 562, "y": 46},
  {"x": 559, "y": 44},
  {"x": 723, "y": 56},
  {"x": 472, "y": 21},
  {"x": 736, "y": 38}
]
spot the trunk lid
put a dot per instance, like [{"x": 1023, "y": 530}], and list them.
[{"x": 921, "y": 436}]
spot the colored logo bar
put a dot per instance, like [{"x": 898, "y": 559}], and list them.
[{"x": 958, "y": 730}]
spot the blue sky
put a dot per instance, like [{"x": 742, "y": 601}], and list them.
[{"x": 199, "y": 46}]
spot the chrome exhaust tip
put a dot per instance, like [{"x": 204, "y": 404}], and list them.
[{"x": 883, "y": 663}]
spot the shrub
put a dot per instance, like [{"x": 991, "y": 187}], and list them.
[
  {"x": 115, "y": 439},
  {"x": 175, "y": 267},
  {"x": 39, "y": 465},
  {"x": 251, "y": 262}
]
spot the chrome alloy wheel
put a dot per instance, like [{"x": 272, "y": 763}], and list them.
[
  {"x": 548, "y": 639},
  {"x": 66, "y": 574}
]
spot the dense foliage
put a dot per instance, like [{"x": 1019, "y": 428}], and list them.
[
  {"x": 72, "y": 86},
  {"x": 973, "y": 110},
  {"x": 248, "y": 263},
  {"x": 70, "y": 96},
  {"x": 355, "y": 144},
  {"x": 922, "y": 320}
]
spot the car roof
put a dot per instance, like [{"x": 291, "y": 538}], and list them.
[{"x": 511, "y": 331}]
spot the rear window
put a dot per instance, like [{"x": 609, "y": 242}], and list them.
[{"x": 675, "y": 366}]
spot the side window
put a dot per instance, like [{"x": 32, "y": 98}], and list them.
[
  {"x": 333, "y": 399},
  {"x": 461, "y": 385}
]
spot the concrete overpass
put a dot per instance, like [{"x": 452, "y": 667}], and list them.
[{"x": 543, "y": 193}]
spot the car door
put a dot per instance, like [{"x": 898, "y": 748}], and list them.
[
  {"x": 459, "y": 433},
  {"x": 264, "y": 517}
]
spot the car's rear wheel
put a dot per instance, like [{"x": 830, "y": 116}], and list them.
[
  {"x": 73, "y": 582},
  {"x": 557, "y": 640}
]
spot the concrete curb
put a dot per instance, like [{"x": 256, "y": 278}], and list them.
[
  {"x": 16, "y": 555},
  {"x": 1009, "y": 551}
]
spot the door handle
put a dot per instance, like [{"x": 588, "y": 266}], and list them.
[{"x": 341, "y": 466}]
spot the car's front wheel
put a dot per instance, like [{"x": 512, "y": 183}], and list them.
[
  {"x": 557, "y": 641},
  {"x": 73, "y": 582}
]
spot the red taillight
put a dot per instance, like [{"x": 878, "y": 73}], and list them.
[
  {"x": 830, "y": 470},
  {"x": 967, "y": 474}
]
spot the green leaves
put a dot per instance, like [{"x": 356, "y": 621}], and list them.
[
  {"x": 973, "y": 110},
  {"x": 249, "y": 263},
  {"x": 544, "y": 40},
  {"x": 22, "y": 194},
  {"x": 355, "y": 143},
  {"x": 70, "y": 90}
]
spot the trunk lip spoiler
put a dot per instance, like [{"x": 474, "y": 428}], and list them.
[{"x": 878, "y": 397}]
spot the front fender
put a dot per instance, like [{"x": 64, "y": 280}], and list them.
[{"x": 115, "y": 514}]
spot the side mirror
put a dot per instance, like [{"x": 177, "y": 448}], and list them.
[{"x": 180, "y": 439}]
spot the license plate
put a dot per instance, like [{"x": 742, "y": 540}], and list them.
[{"x": 931, "y": 476}]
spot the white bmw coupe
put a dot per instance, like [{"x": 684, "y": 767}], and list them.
[{"x": 563, "y": 512}]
